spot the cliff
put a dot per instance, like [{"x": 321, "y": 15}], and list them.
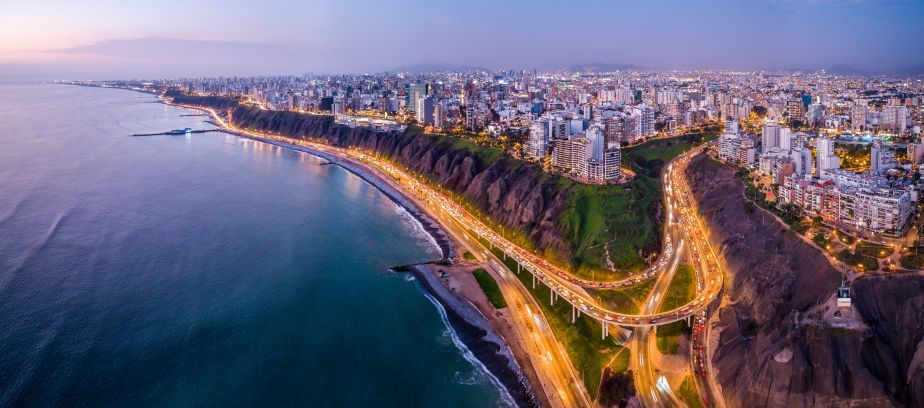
[
  {"x": 893, "y": 308},
  {"x": 551, "y": 214},
  {"x": 766, "y": 354},
  {"x": 515, "y": 195}
]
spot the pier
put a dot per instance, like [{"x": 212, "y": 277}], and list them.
[{"x": 177, "y": 132}]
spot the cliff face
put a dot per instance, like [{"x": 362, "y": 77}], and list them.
[
  {"x": 893, "y": 308},
  {"x": 513, "y": 194},
  {"x": 763, "y": 358}
]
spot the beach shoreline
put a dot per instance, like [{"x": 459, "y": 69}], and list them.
[{"x": 474, "y": 330}]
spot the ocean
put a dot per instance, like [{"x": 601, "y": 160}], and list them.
[{"x": 204, "y": 269}]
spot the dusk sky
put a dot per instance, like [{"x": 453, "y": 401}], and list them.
[{"x": 115, "y": 39}]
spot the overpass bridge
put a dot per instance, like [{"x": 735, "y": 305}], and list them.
[{"x": 684, "y": 225}]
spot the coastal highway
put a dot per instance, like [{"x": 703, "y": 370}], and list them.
[
  {"x": 560, "y": 383},
  {"x": 683, "y": 220},
  {"x": 567, "y": 286}
]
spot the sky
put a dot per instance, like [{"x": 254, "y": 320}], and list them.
[{"x": 108, "y": 39}]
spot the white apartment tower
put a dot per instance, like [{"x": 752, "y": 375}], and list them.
[{"x": 825, "y": 158}]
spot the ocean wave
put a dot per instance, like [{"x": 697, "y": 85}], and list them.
[
  {"x": 417, "y": 228},
  {"x": 474, "y": 377},
  {"x": 467, "y": 354}
]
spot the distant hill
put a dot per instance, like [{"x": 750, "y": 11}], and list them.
[{"x": 436, "y": 67}]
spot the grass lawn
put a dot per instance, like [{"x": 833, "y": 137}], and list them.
[
  {"x": 625, "y": 300},
  {"x": 589, "y": 353},
  {"x": 868, "y": 263},
  {"x": 468, "y": 256},
  {"x": 688, "y": 393},
  {"x": 489, "y": 154},
  {"x": 490, "y": 288},
  {"x": 681, "y": 290},
  {"x": 615, "y": 216},
  {"x": 668, "y": 337}
]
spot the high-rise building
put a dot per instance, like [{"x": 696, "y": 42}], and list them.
[
  {"x": 538, "y": 144},
  {"x": 825, "y": 157},
  {"x": 614, "y": 130},
  {"x": 731, "y": 125},
  {"x": 572, "y": 155},
  {"x": 915, "y": 152},
  {"x": 770, "y": 136},
  {"x": 894, "y": 118},
  {"x": 646, "y": 121},
  {"x": 795, "y": 109},
  {"x": 858, "y": 118},
  {"x": 785, "y": 139},
  {"x": 881, "y": 159},
  {"x": 813, "y": 115},
  {"x": 424, "y": 111},
  {"x": 412, "y": 94},
  {"x": 439, "y": 114}
]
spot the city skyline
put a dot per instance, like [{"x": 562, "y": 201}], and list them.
[{"x": 110, "y": 40}]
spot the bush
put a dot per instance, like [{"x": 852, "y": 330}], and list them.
[
  {"x": 912, "y": 261},
  {"x": 857, "y": 259},
  {"x": 820, "y": 239},
  {"x": 873, "y": 250}
]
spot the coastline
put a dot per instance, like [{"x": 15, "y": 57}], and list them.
[{"x": 468, "y": 324}]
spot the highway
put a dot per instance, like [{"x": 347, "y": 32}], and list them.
[
  {"x": 561, "y": 385},
  {"x": 558, "y": 377},
  {"x": 566, "y": 285},
  {"x": 680, "y": 216},
  {"x": 652, "y": 389}
]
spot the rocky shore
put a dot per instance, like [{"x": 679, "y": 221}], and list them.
[{"x": 474, "y": 330}]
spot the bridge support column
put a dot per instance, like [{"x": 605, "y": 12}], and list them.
[
  {"x": 688, "y": 320},
  {"x": 551, "y": 297},
  {"x": 534, "y": 281},
  {"x": 573, "y": 314},
  {"x": 505, "y": 256},
  {"x": 605, "y": 330},
  {"x": 654, "y": 329},
  {"x": 518, "y": 268}
]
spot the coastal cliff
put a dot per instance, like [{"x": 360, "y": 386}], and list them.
[
  {"x": 768, "y": 353},
  {"x": 540, "y": 211},
  {"x": 514, "y": 195}
]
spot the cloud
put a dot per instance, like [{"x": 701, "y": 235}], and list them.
[
  {"x": 160, "y": 47},
  {"x": 159, "y": 56}
]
